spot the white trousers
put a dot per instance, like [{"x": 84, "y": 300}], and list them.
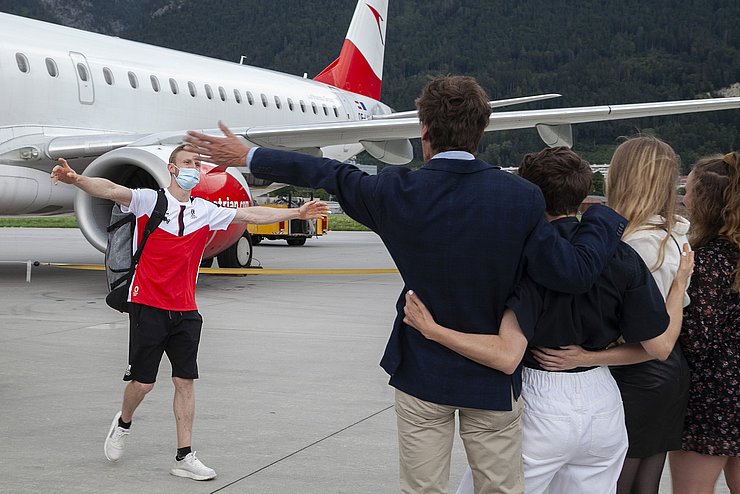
[{"x": 575, "y": 440}]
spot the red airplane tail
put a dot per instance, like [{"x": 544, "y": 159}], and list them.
[{"x": 359, "y": 68}]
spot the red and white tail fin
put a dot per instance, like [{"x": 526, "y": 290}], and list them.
[{"x": 359, "y": 67}]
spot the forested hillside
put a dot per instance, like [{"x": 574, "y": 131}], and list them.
[{"x": 591, "y": 51}]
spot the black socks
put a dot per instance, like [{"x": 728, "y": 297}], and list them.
[{"x": 182, "y": 453}]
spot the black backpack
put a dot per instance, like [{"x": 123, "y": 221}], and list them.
[{"x": 120, "y": 262}]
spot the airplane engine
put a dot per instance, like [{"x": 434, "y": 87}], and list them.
[{"x": 146, "y": 167}]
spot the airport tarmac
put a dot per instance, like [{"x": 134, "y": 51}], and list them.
[{"x": 290, "y": 397}]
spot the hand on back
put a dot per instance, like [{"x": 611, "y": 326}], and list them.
[{"x": 686, "y": 266}]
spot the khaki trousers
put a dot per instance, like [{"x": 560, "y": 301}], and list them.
[{"x": 492, "y": 440}]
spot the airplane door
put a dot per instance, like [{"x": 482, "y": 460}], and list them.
[
  {"x": 347, "y": 106},
  {"x": 84, "y": 78}
]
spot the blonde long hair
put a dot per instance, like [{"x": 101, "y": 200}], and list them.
[
  {"x": 642, "y": 180},
  {"x": 715, "y": 209}
]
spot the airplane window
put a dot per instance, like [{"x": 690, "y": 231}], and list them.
[
  {"x": 326, "y": 110},
  {"x": 155, "y": 83},
  {"x": 22, "y": 62},
  {"x": 209, "y": 91},
  {"x": 51, "y": 67},
  {"x": 108, "y": 76},
  {"x": 290, "y": 104},
  {"x": 133, "y": 80},
  {"x": 191, "y": 88},
  {"x": 313, "y": 107},
  {"x": 250, "y": 98},
  {"x": 278, "y": 103},
  {"x": 222, "y": 93},
  {"x": 82, "y": 71},
  {"x": 303, "y": 106},
  {"x": 173, "y": 86},
  {"x": 336, "y": 112},
  {"x": 237, "y": 96},
  {"x": 264, "y": 100}
]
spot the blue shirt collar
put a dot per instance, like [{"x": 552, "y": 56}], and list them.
[{"x": 453, "y": 155}]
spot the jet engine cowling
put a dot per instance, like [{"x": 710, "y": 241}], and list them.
[{"x": 146, "y": 167}]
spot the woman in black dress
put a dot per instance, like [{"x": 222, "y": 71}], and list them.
[{"x": 710, "y": 337}]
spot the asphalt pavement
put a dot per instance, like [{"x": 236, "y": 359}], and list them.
[{"x": 290, "y": 400}]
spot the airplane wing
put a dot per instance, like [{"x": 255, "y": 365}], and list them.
[
  {"x": 305, "y": 136},
  {"x": 493, "y": 104},
  {"x": 558, "y": 116},
  {"x": 553, "y": 125}
]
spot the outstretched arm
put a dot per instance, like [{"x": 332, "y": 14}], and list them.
[
  {"x": 354, "y": 188},
  {"x": 502, "y": 351},
  {"x": 262, "y": 215},
  {"x": 95, "y": 186},
  {"x": 659, "y": 347}
]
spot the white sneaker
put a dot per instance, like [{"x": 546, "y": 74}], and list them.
[
  {"x": 115, "y": 440},
  {"x": 192, "y": 468}
]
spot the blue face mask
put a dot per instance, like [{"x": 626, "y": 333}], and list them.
[{"x": 187, "y": 178}]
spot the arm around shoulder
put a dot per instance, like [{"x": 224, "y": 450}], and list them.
[{"x": 573, "y": 267}]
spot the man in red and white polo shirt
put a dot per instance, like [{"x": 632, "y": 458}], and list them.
[{"x": 163, "y": 315}]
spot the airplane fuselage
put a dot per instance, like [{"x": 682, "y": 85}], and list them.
[
  {"x": 116, "y": 109},
  {"x": 59, "y": 82}
]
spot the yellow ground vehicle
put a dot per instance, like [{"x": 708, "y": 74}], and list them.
[{"x": 294, "y": 232}]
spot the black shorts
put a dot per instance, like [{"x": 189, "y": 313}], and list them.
[{"x": 153, "y": 332}]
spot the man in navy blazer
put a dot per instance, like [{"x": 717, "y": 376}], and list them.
[{"x": 461, "y": 233}]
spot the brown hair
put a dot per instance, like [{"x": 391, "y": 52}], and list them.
[
  {"x": 173, "y": 154},
  {"x": 642, "y": 181},
  {"x": 715, "y": 208},
  {"x": 563, "y": 176},
  {"x": 455, "y": 112}
]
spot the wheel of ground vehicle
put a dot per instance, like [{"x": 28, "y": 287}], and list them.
[
  {"x": 296, "y": 241},
  {"x": 206, "y": 263},
  {"x": 238, "y": 255},
  {"x": 256, "y": 239}
]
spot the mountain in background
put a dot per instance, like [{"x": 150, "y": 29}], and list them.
[{"x": 593, "y": 52}]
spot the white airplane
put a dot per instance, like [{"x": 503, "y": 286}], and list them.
[{"x": 116, "y": 108}]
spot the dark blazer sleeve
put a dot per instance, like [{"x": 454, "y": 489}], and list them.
[
  {"x": 572, "y": 266},
  {"x": 353, "y": 187}
]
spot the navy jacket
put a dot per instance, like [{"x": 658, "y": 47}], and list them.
[{"x": 461, "y": 234}]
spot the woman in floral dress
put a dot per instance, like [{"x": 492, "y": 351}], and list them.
[{"x": 710, "y": 336}]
